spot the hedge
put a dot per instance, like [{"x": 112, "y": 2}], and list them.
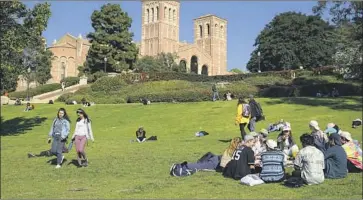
[
  {"x": 70, "y": 81},
  {"x": 36, "y": 91}
]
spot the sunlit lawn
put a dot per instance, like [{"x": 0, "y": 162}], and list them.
[{"x": 121, "y": 169}]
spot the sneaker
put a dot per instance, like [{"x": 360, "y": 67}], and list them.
[
  {"x": 85, "y": 164},
  {"x": 58, "y": 166},
  {"x": 62, "y": 159}
]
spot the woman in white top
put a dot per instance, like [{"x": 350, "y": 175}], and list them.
[{"x": 82, "y": 133}]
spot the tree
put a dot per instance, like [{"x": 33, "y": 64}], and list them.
[
  {"x": 22, "y": 28},
  {"x": 163, "y": 62},
  {"x": 236, "y": 71},
  {"x": 111, "y": 39},
  {"x": 347, "y": 17},
  {"x": 292, "y": 40}
]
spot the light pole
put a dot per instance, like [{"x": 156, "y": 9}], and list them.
[
  {"x": 105, "y": 59},
  {"x": 259, "y": 61},
  {"x": 28, "y": 83}
]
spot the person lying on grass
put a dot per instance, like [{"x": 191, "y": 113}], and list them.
[
  {"x": 243, "y": 160},
  {"x": 46, "y": 153}
]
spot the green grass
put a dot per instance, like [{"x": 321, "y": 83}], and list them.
[{"x": 120, "y": 169}]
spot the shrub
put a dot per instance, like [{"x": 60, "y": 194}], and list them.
[
  {"x": 314, "y": 80},
  {"x": 36, "y": 91},
  {"x": 65, "y": 97},
  {"x": 107, "y": 84},
  {"x": 95, "y": 76},
  {"x": 345, "y": 89},
  {"x": 70, "y": 81}
]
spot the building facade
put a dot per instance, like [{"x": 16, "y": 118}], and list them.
[
  {"x": 68, "y": 54},
  {"x": 160, "y": 33}
]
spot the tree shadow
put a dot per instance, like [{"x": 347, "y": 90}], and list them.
[
  {"x": 340, "y": 103},
  {"x": 19, "y": 125}
]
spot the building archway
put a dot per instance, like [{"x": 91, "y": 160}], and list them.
[
  {"x": 183, "y": 65},
  {"x": 194, "y": 65},
  {"x": 205, "y": 70}
]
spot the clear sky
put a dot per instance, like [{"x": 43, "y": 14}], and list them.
[{"x": 245, "y": 20}]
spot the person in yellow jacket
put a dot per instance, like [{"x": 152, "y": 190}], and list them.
[{"x": 243, "y": 115}]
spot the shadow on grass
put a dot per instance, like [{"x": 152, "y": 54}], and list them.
[
  {"x": 341, "y": 103},
  {"x": 73, "y": 162},
  {"x": 53, "y": 161},
  {"x": 225, "y": 141},
  {"x": 19, "y": 125}
]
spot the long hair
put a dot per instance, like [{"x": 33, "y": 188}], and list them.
[
  {"x": 65, "y": 116},
  {"x": 85, "y": 116},
  {"x": 233, "y": 145},
  {"x": 241, "y": 100}
]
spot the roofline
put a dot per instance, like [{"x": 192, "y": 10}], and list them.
[{"x": 210, "y": 15}]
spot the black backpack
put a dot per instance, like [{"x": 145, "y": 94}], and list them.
[
  {"x": 181, "y": 170},
  {"x": 294, "y": 182}
]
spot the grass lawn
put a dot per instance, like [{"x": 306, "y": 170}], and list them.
[{"x": 121, "y": 169}]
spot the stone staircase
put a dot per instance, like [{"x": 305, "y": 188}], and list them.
[{"x": 53, "y": 95}]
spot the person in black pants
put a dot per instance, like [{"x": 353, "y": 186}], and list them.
[{"x": 243, "y": 115}]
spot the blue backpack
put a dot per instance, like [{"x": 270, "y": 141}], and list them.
[{"x": 181, "y": 170}]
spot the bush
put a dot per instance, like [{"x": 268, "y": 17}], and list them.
[
  {"x": 65, "y": 97},
  {"x": 219, "y": 78},
  {"x": 70, "y": 81},
  {"x": 95, "y": 76},
  {"x": 36, "y": 91},
  {"x": 345, "y": 89},
  {"x": 107, "y": 84},
  {"x": 314, "y": 80}
]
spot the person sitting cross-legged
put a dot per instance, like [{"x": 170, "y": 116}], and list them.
[
  {"x": 243, "y": 160},
  {"x": 286, "y": 143},
  {"x": 353, "y": 151},
  {"x": 309, "y": 162},
  {"x": 335, "y": 158},
  {"x": 227, "y": 154},
  {"x": 272, "y": 162}
]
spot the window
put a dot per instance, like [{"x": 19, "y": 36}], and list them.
[
  {"x": 200, "y": 31},
  {"x": 157, "y": 13},
  {"x": 170, "y": 14},
  {"x": 147, "y": 15},
  {"x": 174, "y": 16},
  {"x": 208, "y": 29},
  {"x": 165, "y": 10},
  {"x": 152, "y": 14}
]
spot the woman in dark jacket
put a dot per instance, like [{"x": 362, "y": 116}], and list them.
[{"x": 335, "y": 158}]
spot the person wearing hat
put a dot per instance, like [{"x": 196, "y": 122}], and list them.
[
  {"x": 243, "y": 116},
  {"x": 272, "y": 162},
  {"x": 243, "y": 160},
  {"x": 286, "y": 143},
  {"x": 353, "y": 151},
  {"x": 309, "y": 162},
  {"x": 320, "y": 138},
  {"x": 264, "y": 133},
  {"x": 259, "y": 146},
  {"x": 332, "y": 125},
  {"x": 330, "y": 131},
  {"x": 335, "y": 158}
]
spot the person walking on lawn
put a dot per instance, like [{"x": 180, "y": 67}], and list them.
[
  {"x": 82, "y": 133},
  {"x": 243, "y": 115},
  {"x": 256, "y": 113},
  {"x": 59, "y": 131},
  {"x": 215, "y": 92}
]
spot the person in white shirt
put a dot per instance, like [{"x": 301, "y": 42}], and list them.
[
  {"x": 309, "y": 162},
  {"x": 82, "y": 133}
]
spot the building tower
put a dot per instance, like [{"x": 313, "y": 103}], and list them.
[
  {"x": 160, "y": 27},
  {"x": 210, "y": 34}
]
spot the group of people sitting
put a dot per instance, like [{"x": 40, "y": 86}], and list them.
[{"x": 325, "y": 154}]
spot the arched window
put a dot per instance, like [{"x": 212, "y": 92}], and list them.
[
  {"x": 147, "y": 15},
  {"x": 200, "y": 30},
  {"x": 170, "y": 14},
  {"x": 208, "y": 29},
  {"x": 174, "y": 16},
  {"x": 165, "y": 10},
  {"x": 157, "y": 13},
  {"x": 222, "y": 31},
  {"x": 152, "y": 14}
]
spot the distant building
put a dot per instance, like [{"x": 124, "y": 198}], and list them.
[
  {"x": 160, "y": 33},
  {"x": 68, "y": 54}
]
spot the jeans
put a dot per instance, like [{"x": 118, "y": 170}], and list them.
[
  {"x": 252, "y": 124},
  {"x": 215, "y": 96},
  {"x": 242, "y": 129},
  {"x": 57, "y": 148}
]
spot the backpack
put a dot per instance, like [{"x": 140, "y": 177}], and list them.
[
  {"x": 181, "y": 170},
  {"x": 294, "y": 182},
  {"x": 246, "y": 110}
]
